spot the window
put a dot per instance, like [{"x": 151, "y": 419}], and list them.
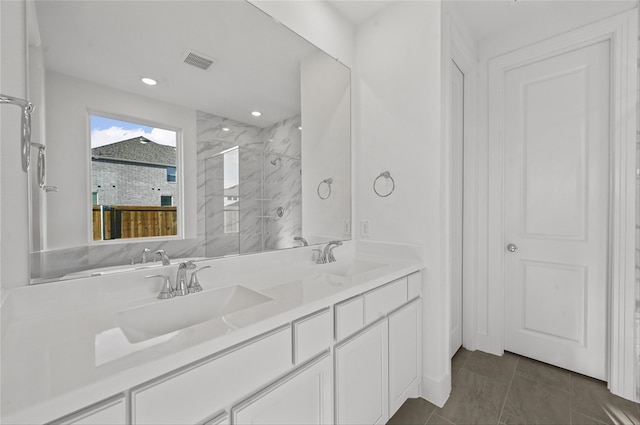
[
  {"x": 171, "y": 174},
  {"x": 131, "y": 164},
  {"x": 166, "y": 200}
]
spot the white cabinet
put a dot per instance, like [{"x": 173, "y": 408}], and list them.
[
  {"x": 302, "y": 397},
  {"x": 361, "y": 373},
  {"x": 311, "y": 335},
  {"x": 192, "y": 394},
  {"x": 381, "y": 301},
  {"x": 112, "y": 411},
  {"x": 405, "y": 362},
  {"x": 349, "y": 317},
  {"x": 378, "y": 369}
]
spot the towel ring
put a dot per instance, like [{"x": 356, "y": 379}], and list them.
[
  {"x": 386, "y": 175},
  {"x": 328, "y": 182},
  {"x": 25, "y": 135}
]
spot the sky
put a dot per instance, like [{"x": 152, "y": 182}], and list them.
[{"x": 105, "y": 131}]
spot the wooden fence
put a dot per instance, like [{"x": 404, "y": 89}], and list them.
[{"x": 133, "y": 222}]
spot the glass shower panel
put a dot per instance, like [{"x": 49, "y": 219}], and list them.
[
  {"x": 219, "y": 191},
  {"x": 282, "y": 200}
]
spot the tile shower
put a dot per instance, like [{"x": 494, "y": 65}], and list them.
[{"x": 265, "y": 191}]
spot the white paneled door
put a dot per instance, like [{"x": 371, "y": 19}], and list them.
[{"x": 557, "y": 135}]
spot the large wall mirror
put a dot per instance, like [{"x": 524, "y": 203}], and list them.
[{"x": 223, "y": 149}]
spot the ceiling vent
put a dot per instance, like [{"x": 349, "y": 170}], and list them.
[{"x": 198, "y": 60}]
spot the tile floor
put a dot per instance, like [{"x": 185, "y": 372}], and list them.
[{"x": 511, "y": 389}]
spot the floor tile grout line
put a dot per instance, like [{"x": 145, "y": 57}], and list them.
[
  {"x": 429, "y": 417},
  {"x": 570, "y": 399},
  {"x": 506, "y": 395}
]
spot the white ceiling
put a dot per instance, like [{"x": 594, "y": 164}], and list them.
[
  {"x": 485, "y": 18},
  {"x": 358, "y": 11},
  {"x": 115, "y": 43}
]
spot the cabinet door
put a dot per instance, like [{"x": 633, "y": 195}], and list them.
[
  {"x": 361, "y": 371},
  {"x": 302, "y": 397},
  {"x": 404, "y": 354}
]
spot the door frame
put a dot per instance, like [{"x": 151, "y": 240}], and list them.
[
  {"x": 621, "y": 31},
  {"x": 458, "y": 48}
]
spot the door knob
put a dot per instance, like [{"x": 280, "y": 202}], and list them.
[{"x": 512, "y": 247}]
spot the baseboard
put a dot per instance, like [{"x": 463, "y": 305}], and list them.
[{"x": 436, "y": 392}]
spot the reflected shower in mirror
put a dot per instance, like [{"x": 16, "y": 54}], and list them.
[{"x": 258, "y": 115}]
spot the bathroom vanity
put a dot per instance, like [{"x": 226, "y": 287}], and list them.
[{"x": 304, "y": 343}]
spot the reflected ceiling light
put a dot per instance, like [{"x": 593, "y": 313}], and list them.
[
  {"x": 149, "y": 81},
  {"x": 225, "y": 129},
  {"x": 256, "y": 113},
  {"x": 300, "y": 128}
]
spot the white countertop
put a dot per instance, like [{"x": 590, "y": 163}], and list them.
[{"x": 62, "y": 348}]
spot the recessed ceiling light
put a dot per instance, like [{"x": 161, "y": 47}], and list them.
[
  {"x": 300, "y": 128},
  {"x": 256, "y": 113},
  {"x": 225, "y": 129},
  {"x": 149, "y": 81}
]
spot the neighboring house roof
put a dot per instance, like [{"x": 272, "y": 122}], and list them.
[
  {"x": 231, "y": 191},
  {"x": 139, "y": 150}
]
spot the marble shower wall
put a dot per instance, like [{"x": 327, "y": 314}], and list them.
[
  {"x": 283, "y": 184},
  {"x": 269, "y": 177}
]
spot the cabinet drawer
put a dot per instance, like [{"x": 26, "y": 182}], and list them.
[
  {"x": 108, "y": 412},
  {"x": 349, "y": 317},
  {"x": 381, "y": 301},
  {"x": 311, "y": 335},
  {"x": 193, "y": 393}
]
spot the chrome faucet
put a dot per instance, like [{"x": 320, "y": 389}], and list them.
[
  {"x": 301, "y": 240},
  {"x": 145, "y": 252},
  {"x": 163, "y": 255},
  {"x": 181, "y": 278},
  {"x": 327, "y": 253}
]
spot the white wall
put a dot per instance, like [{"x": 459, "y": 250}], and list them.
[
  {"x": 14, "y": 225},
  {"x": 398, "y": 123},
  {"x": 69, "y": 101}
]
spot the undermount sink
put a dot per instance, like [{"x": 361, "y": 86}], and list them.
[
  {"x": 349, "y": 268},
  {"x": 163, "y": 317}
]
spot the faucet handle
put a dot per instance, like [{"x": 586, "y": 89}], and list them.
[
  {"x": 163, "y": 255},
  {"x": 167, "y": 290},
  {"x": 194, "y": 284}
]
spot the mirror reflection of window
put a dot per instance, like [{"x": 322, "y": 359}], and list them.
[
  {"x": 133, "y": 179},
  {"x": 231, "y": 198}
]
